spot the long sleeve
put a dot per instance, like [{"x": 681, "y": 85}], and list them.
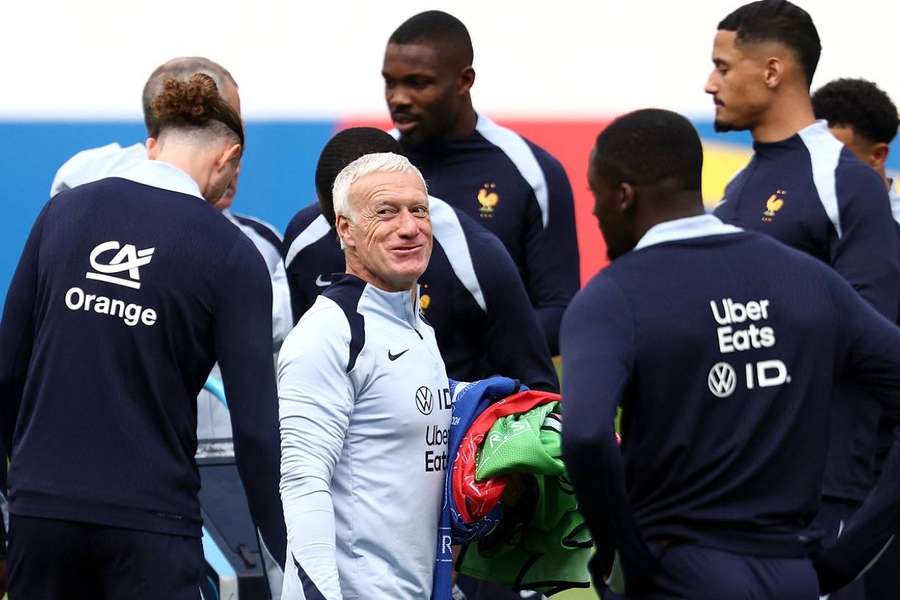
[
  {"x": 597, "y": 342},
  {"x": 282, "y": 317},
  {"x": 866, "y": 253},
  {"x": 315, "y": 402},
  {"x": 516, "y": 346},
  {"x": 243, "y": 337},
  {"x": 872, "y": 359},
  {"x": 552, "y": 266},
  {"x": 17, "y": 334}
]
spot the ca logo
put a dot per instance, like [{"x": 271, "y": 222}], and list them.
[
  {"x": 722, "y": 380},
  {"x": 424, "y": 400},
  {"x": 128, "y": 258}
]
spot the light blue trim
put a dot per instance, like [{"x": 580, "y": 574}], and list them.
[
  {"x": 314, "y": 232},
  {"x": 685, "y": 229},
  {"x": 824, "y": 155},
  {"x": 450, "y": 235},
  {"x": 160, "y": 174},
  {"x": 519, "y": 152},
  {"x": 214, "y": 386}
]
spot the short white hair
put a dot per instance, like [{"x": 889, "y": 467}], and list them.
[{"x": 379, "y": 162}]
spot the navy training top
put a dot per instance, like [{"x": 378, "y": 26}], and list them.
[
  {"x": 813, "y": 194},
  {"x": 521, "y": 193},
  {"x": 470, "y": 293},
  {"x": 126, "y": 294},
  {"x": 725, "y": 376}
]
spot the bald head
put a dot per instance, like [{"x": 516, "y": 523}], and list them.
[{"x": 182, "y": 68}]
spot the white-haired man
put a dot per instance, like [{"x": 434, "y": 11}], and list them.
[{"x": 365, "y": 403}]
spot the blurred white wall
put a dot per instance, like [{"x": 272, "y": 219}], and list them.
[{"x": 88, "y": 59}]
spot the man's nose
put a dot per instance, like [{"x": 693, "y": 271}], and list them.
[
  {"x": 711, "y": 87},
  {"x": 408, "y": 225},
  {"x": 398, "y": 96}
]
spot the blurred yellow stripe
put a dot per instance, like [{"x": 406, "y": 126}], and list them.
[{"x": 720, "y": 163}]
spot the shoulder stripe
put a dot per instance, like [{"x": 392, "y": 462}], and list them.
[
  {"x": 448, "y": 232},
  {"x": 314, "y": 232},
  {"x": 518, "y": 151},
  {"x": 346, "y": 292},
  {"x": 824, "y": 154},
  {"x": 264, "y": 229}
]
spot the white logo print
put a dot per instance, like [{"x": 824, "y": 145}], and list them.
[
  {"x": 722, "y": 380},
  {"x": 128, "y": 258},
  {"x": 322, "y": 282}
]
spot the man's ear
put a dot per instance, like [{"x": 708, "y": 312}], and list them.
[
  {"x": 774, "y": 73},
  {"x": 342, "y": 224},
  {"x": 626, "y": 197},
  {"x": 879, "y": 155},
  {"x": 230, "y": 153},
  {"x": 465, "y": 81},
  {"x": 152, "y": 148}
]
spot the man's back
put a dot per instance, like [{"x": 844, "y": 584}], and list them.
[
  {"x": 131, "y": 312},
  {"x": 811, "y": 193},
  {"x": 725, "y": 410}
]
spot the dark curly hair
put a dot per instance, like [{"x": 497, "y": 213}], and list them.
[
  {"x": 859, "y": 104},
  {"x": 195, "y": 103},
  {"x": 179, "y": 68}
]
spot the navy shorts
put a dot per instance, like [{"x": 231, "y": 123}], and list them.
[
  {"x": 691, "y": 572},
  {"x": 63, "y": 560}
]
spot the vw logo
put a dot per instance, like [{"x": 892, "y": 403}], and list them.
[
  {"x": 424, "y": 400},
  {"x": 722, "y": 380}
]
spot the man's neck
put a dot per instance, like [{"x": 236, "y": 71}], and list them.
[
  {"x": 356, "y": 268},
  {"x": 465, "y": 124},
  {"x": 665, "y": 205},
  {"x": 784, "y": 118},
  {"x": 186, "y": 159},
  {"x": 463, "y": 127}
]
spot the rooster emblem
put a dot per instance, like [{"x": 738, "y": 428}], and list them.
[
  {"x": 773, "y": 205},
  {"x": 488, "y": 199}
]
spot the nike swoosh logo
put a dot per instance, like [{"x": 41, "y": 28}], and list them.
[
  {"x": 393, "y": 357},
  {"x": 322, "y": 282}
]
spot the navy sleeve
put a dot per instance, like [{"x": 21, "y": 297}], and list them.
[
  {"x": 309, "y": 269},
  {"x": 17, "y": 334},
  {"x": 290, "y": 234},
  {"x": 598, "y": 348},
  {"x": 552, "y": 266},
  {"x": 872, "y": 359},
  {"x": 243, "y": 337},
  {"x": 866, "y": 253},
  {"x": 516, "y": 346},
  {"x": 300, "y": 274}
]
